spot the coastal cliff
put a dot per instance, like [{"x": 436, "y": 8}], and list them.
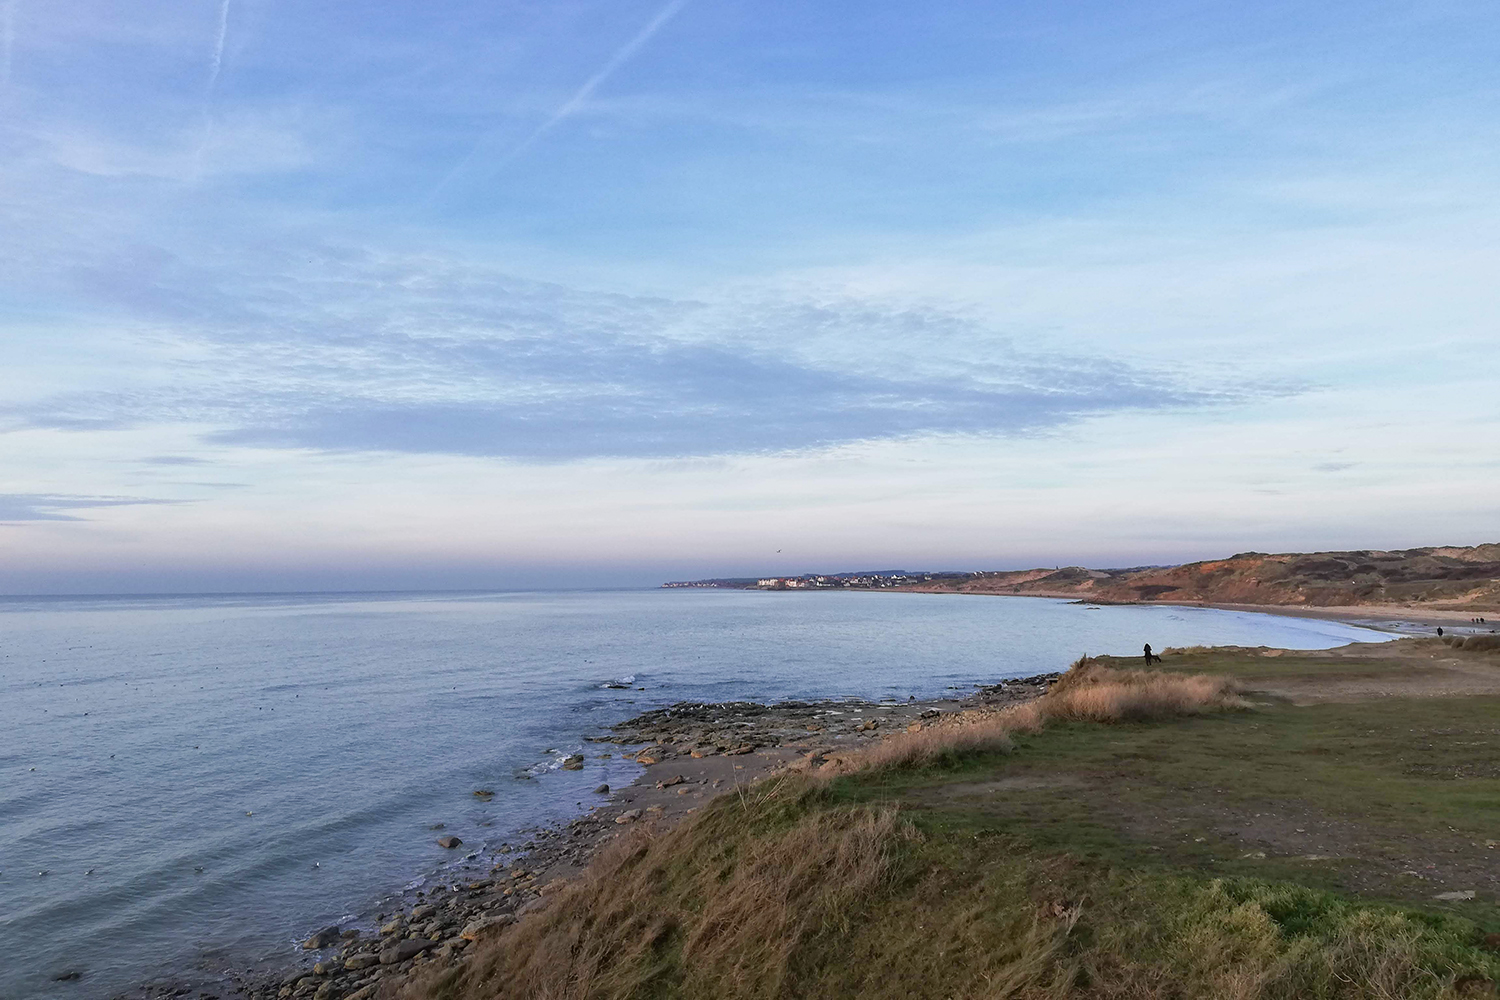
[{"x": 1452, "y": 578}]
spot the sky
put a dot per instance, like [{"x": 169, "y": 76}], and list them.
[{"x": 337, "y": 295}]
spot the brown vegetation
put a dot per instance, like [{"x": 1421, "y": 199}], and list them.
[
  {"x": 1088, "y": 692},
  {"x": 698, "y": 909},
  {"x": 1474, "y": 643}
]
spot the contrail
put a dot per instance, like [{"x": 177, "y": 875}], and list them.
[
  {"x": 8, "y": 41},
  {"x": 213, "y": 73},
  {"x": 575, "y": 102},
  {"x": 208, "y": 92}
]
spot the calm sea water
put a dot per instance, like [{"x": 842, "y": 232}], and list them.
[{"x": 198, "y": 782}]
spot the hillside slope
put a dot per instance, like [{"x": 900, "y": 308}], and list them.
[{"x": 1446, "y": 578}]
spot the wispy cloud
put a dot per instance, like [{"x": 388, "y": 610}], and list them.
[
  {"x": 174, "y": 460},
  {"x": 17, "y": 507},
  {"x": 375, "y": 353}
]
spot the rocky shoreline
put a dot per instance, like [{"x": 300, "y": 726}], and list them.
[{"x": 690, "y": 752}]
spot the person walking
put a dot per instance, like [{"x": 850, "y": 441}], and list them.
[{"x": 1150, "y": 655}]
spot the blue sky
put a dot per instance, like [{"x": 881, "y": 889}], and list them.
[{"x": 336, "y": 295}]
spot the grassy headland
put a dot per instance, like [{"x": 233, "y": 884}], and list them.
[{"x": 1240, "y": 823}]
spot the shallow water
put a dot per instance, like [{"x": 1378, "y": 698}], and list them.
[{"x": 203, "y": 780}]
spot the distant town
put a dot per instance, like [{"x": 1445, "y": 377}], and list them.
[{"x": 812, "y": 581}]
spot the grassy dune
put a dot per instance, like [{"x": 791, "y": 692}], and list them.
[{"x": 1134, "y": 834}]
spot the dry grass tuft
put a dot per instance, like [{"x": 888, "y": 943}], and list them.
[
  {"x": 1088, "y": 692},
  {"x": 1483, "y": 643},
  {"x": 701, "y": 909},
  {"x": 1094, "y": 693}
]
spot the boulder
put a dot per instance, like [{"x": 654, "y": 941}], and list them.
[
  {"x": 362, "y": 961},
  {"x": 424, "y": 912},
  {"x": 329, "y": 967},
  {"x": 573, "y": 763},
  {"x": 1454, "y": 897},
  {"x": 363, "y": 993},
  {"x": 325, "y": 938},
  {"x": 396, "y": 926},
  {"x": 602, "y": 790},
  {"x": 449, "y": 842},
  {"x": 403, "y": 950},
  {"x": 675, "y": 780},
  {"x": 628, "y": 816},
  {"x": 473, "y": 931}
]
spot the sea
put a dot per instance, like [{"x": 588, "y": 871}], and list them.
[{"x": 193, "y": 784}]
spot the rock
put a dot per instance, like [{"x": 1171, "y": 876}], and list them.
[
  {"x": 67, "y": 977},
  {"x": 363, "y": 961},
  {"x": 676, "y": 780},
  {"x": 602, "y": 790},
  {"x": 424, "y": 912},
  {"x": 484, "y": 793},
  {"x": 298, "y": 976},
  {"x": 573, "y": 763},
  {"x": 396, "y": 926},
  {"x": 363, "y": 993},
  {"x": 1454, "y": 897},
  {"x": 402, "y": 950},
  {"x": 325, "y": 938},
  {"x": 324, "y": 992},
  {"x": 628, "y": 816},
  {"x": 930, "y": 713},
  {"x": 351, "y": 934},
  {"x": 742, "y": 748},
  {"x": 648, "y": 759},
  {"x": 486, "y": 924},
  {"x": 329, "y": 967},
  {"x": 449, "y": 842}
]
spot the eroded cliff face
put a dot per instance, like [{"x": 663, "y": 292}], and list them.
[{"x": 1448, "y": 578}]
